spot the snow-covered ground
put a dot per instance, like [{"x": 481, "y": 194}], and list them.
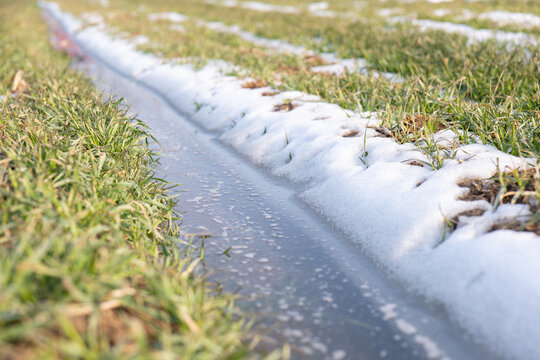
[{"x": 367, "y": 186}]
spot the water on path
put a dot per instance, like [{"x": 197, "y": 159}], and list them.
[{"x": 308, "y": 284}]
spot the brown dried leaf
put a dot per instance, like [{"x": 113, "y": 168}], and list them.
[
  {"x": 350, "y": 133},
  {"x": 19, "y": 85},
  {"x": 254, "y": 84},
  {"x": 285, "y": 107}
]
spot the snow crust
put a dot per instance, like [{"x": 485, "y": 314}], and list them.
[{"x": 487, "y": 281}]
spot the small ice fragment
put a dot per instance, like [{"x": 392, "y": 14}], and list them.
[
  {"x": 338, "y": 354},
  {"x": 405, "y": 327}
]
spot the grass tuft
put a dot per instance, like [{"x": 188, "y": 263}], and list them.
[{"x": 90, "y": 263}]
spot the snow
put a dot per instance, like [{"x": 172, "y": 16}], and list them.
[
  {"x": 255, "y": 5},
  {"x": 511, "y": 18},
  {"x": 92, "y": 17},
  {"x": 335, "y": 65},
  {"x": 278, "y": 45},
  {"x": 487, "y": 281},
  {"x": 177, "y": 27},
  {"x": 346, "y": 65},
  {"x": 432, "y": 350},
  {"x": 388, "y": 12},
  {"x": 168, "y": 16},
  {"x": 320, "y": 8},
  {"x": 474, "y": 35},
  {"x": 441, "y": 12},
  {"x": 405, "y": 327}
]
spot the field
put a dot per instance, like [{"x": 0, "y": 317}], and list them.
[
  {"x": 412, "y": 126},
  {"x": 431, "y": 80},
  {"x": 90, "y": 263}
]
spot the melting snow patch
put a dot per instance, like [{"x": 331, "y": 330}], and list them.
[
  {"x": 345, "y": 65},
  {"x": 177, "y": 27},
  {"x": 388, "y": 12},
  {"x": 405, "y": 327},
  {"x": 254, "y": 5},
  {"x": 441, "y": 12},
  {"x": 432, "y": 350},
  {"x": 320, "y": 8},
  {"x": 92, "y": 17},
  {"x": 474, "y": 35},
  {"x": 511, "y": 18},
  {"x": 168, "y": 16},
  {"x": 278, "y": 45},
  {"x": 336, "y": 65}
]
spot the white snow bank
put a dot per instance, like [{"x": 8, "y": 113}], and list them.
[
  {"x": 474, "y": 35},
  {"x": 488, "y": 281},
  {"x": 168, "y": 16},
  {"x": 511, "y": 18}
]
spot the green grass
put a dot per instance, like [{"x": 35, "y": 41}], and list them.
[{"x": 90, "y": 266}]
